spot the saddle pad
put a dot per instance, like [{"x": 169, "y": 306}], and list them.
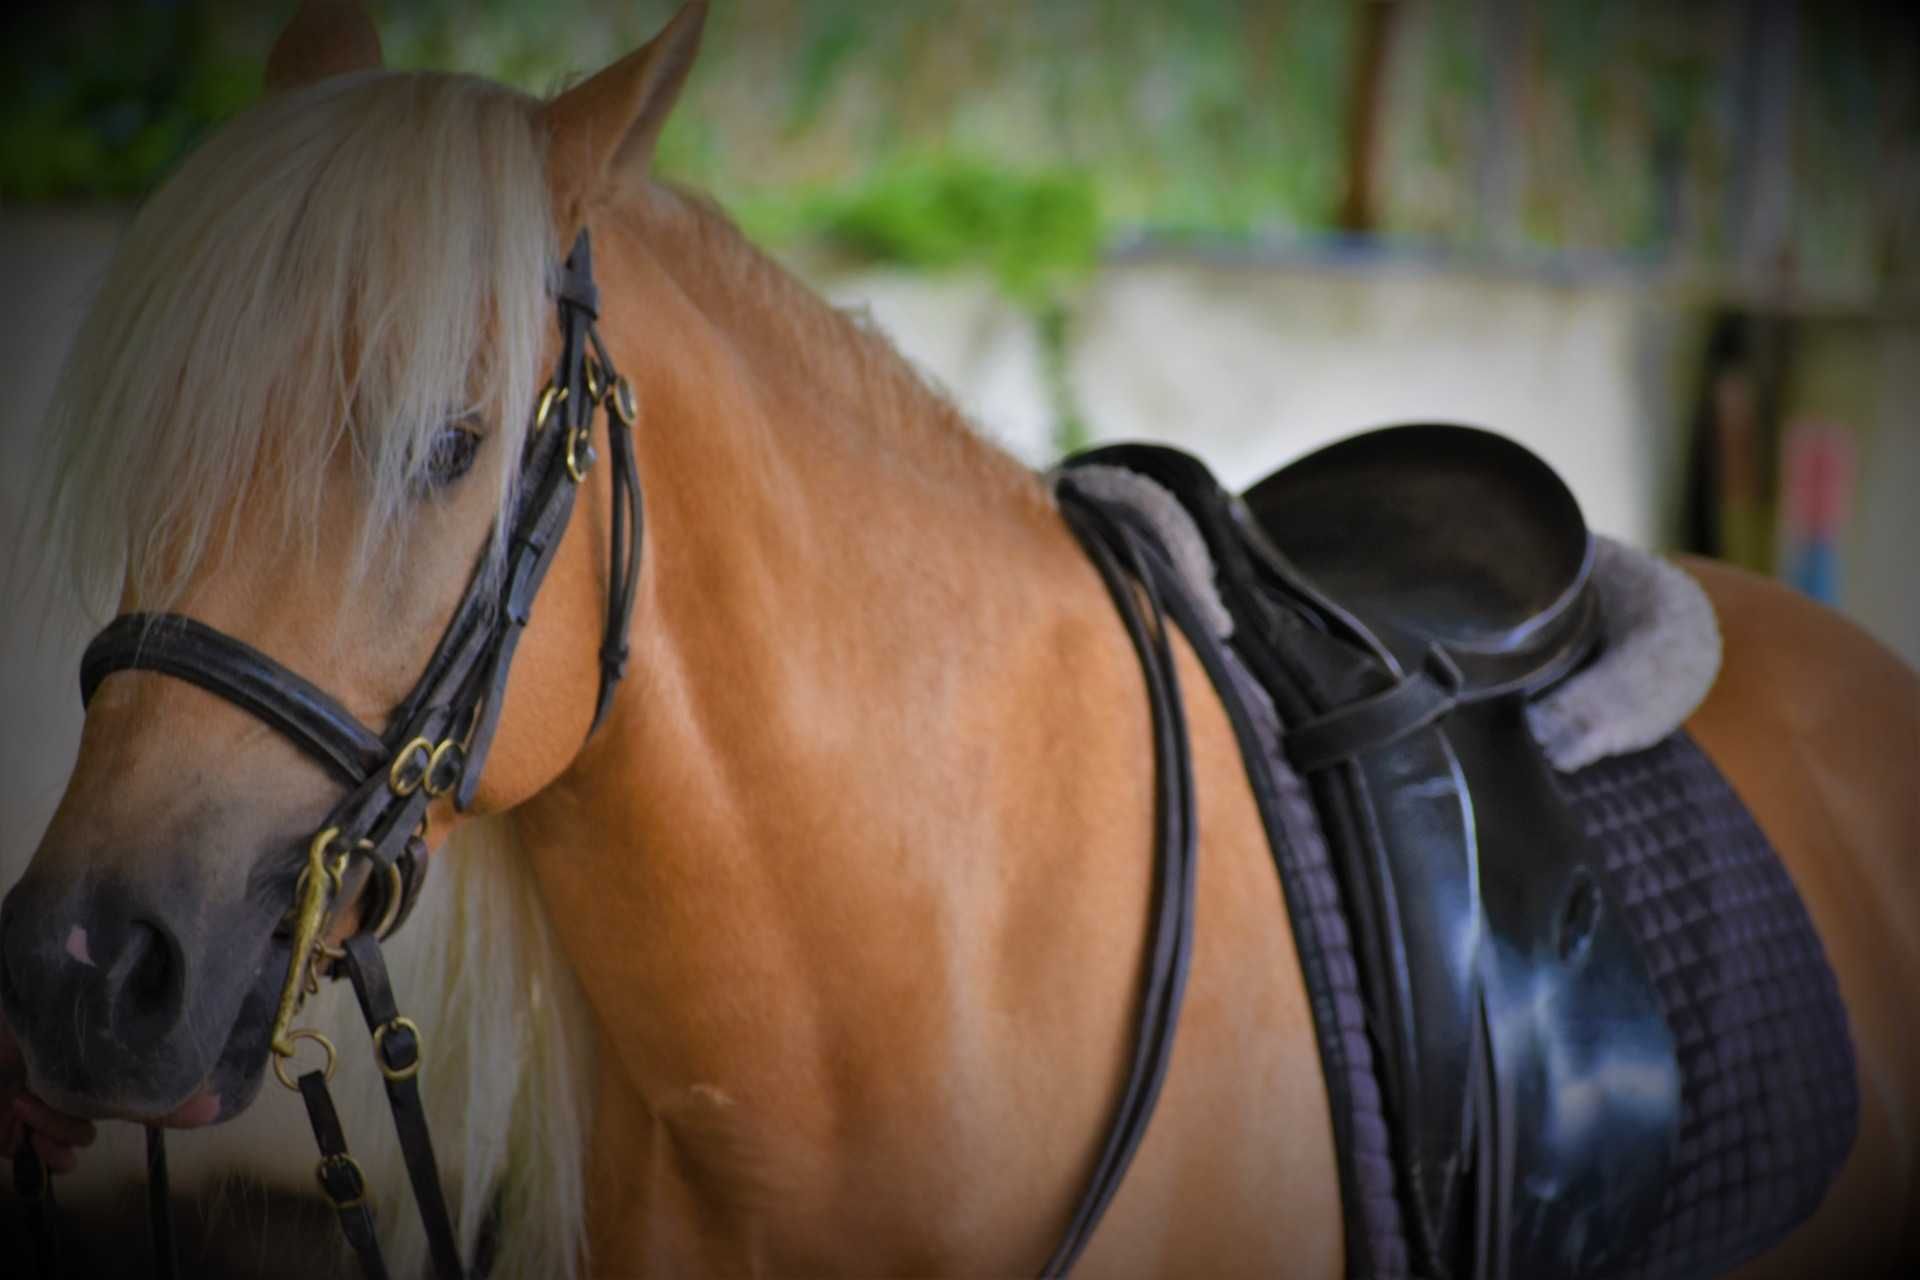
[
  {"x": 1769, "y": 1099},
  {"x": 1661, "y": 657},
  {"x": 1316, "y": 907}
]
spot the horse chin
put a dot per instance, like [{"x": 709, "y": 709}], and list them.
[{"x": 235, "y": 1080}]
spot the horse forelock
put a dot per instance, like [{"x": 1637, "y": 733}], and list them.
[{"x": 327, "y": 281}]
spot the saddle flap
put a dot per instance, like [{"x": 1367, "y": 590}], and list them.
[{"x": 1586, "y": 1071}]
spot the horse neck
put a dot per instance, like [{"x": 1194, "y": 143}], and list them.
[
  {"x": 814, "y": 509},
  {"x": 850, "y": 616}
]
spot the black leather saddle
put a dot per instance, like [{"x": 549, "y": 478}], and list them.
[{"x": 1400, "y": 596}]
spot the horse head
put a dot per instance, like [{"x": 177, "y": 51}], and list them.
[{"x": 302, "y": 414}]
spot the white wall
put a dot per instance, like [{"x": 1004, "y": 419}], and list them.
[{"x": 1252, "y": 366}]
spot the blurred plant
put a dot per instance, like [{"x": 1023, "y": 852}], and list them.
[
  {"x": 1033, "y": 232},
  {"x": 1522, "y": 127},
  {"x": 1038, "y": 235},
  {"x": 98, "y": 103}
]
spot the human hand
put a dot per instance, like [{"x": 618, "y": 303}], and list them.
[{"x": 56, "y": 1136}]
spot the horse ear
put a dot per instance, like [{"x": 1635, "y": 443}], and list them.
[
  {"x": 326, "y": 38},
  {"x": 603, "y": 130}
]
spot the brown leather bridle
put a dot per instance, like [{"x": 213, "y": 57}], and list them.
[{"x": 435, "y": 745}]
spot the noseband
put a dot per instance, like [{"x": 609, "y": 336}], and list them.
[{"x": 435, "y": 746}]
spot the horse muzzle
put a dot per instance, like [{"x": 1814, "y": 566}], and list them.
[{"x": 133, "y": 1003}]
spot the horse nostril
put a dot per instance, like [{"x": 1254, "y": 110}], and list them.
[{"x": 143, "y": 985}]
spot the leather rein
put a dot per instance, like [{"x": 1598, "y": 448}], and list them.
[{"x": 435, "y": 746}]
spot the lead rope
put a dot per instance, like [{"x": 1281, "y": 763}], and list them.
[{"x": 166, "y": 1258}]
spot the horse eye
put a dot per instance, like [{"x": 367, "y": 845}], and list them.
[{"x": 449, "y": 457}]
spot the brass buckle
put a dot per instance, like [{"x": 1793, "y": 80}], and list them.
[
  {"x": 620, "y": 401},
  {"x": 341, "y": 1160},
  {"x": 396, "y": 892},
  {"x": 446, "y": 751},
  {"x": 550, "y": 399},
  {"x": 405, "y": 783},
  {"x": 594, "y": 382},
  {"x": 412, "y": 1069},
  {"x": 280, "y": 1060},
  {"x": 579, "y": 460}
]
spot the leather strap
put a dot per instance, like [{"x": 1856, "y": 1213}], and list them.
[
  {"x": 175, "y": 645},
  {"x": 397, "y": 1050},
  {"x": 340, "y": 1176},
  {"x": 1125, "y": 561},
  {"x": 166, "y": 1257},
  {"x": 1411, "y": 703},
  {"x": 623, "y": 567}
]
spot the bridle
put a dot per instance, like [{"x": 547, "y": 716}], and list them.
[{"x": 435, "y": 746}]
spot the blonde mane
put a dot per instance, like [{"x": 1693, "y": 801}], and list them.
[
  {"x": 340, "y": 270},
  {"x": 508, "y": 1065},
  {"x": 852, "y": 370}
]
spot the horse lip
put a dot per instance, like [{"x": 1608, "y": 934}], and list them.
[{"x": 202, "y": 1107}]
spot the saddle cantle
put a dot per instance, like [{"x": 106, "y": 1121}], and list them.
[
  {"x": 1441, "y": 533},
  {"x": 1399, "y": 597}
]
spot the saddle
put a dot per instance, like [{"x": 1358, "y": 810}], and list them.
[{"x": 1399, "y": 597}]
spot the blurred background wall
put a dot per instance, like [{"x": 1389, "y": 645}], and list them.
[{"x": 1673, "y": 247}]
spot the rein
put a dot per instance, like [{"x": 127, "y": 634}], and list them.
[
  {"x": 436, "y": 745},
  {"x": 1132, "y": 568}
]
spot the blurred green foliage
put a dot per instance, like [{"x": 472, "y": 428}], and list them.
[
  {"x": 1019, "y": 138},
  {"x": 1034, "y": 232},
  {"x": 98, "y": 103}
]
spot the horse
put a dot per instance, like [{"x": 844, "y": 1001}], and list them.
[{"x": 820, "y": 950}]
